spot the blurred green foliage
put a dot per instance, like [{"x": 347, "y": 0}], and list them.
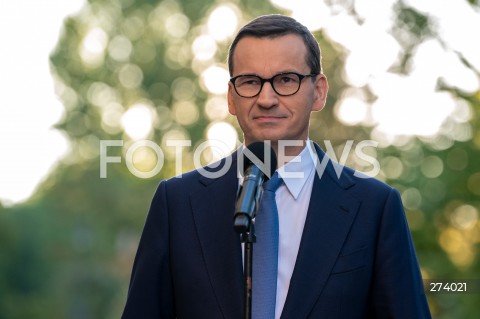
[{"x": 68, "y": 251}]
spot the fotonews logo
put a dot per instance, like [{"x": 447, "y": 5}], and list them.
[{"x": 219, "y": 168}]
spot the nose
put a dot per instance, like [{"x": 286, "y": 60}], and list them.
[{"x": 267, "y": 97}]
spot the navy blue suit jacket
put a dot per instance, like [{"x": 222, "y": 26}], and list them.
[{"x": 356, "y": 258}]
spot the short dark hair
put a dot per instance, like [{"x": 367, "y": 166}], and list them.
[{"x": 276, "y": 25}]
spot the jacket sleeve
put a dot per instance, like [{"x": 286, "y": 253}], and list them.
[
  {"x": 397, "y": 283},
  {"x": 150, "y": 294}
]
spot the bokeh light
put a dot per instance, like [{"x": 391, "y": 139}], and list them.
[
  {"x": 174, "y": 134},
  {"x": 224, "y": 132},
  {"x": 216, "y": 108},
  {"x": 177, "y": 25},
  {"x": 352, "y": 108},
  {"x": 222, "y": 140},
  {"x": 138, "y": 120},
  {"x": 120, "y": 48},
  {"x": 215, "y": 79},
  {"x": 92, "y": 50},
  {"x": 183, "y": 89},
  {"x": 464, "y": 217},
  {"x": 392, "y": 167},
  {"x": 432, "y": 166},
  {"x": 185, "y": 112},
  {"x": 411, "y": 198},
  {"x": 457, "y": 247},
  {"x": 130, "y": 76},
  {"x": 204, "y": 47},
  {"x": 223, "y": 22},
  {"x": 101, "y": 94},
  {"x": 144, "y": 158},
  {"x": 112, "y": 117}
]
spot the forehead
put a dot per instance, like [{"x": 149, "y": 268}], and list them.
[{"x": 267, "y": 56}]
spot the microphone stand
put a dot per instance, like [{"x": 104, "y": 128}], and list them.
[
  {"x": 244, "y": 225},
  {"x": 248, "y": 238}
]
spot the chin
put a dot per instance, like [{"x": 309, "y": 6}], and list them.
[{"x": 266, "y": 138}]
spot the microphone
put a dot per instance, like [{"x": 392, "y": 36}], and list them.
[{"x": 259, "y": 163}]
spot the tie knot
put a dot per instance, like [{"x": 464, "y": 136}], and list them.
[{"x": 273, "y": 183}]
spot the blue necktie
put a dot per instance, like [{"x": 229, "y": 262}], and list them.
[{"x": 265, "y": 253}]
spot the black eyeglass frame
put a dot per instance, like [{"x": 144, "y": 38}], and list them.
[{"x": 270, "y": 80}]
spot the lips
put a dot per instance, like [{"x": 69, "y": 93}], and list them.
[{"x": 268, "y": 118}]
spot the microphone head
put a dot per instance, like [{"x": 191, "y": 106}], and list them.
[{"x": 262, "y": 155}]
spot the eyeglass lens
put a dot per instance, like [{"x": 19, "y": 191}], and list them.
[{"x": 283, "y": 84}]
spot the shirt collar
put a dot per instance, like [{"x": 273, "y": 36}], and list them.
[{"x": 296, "y": 172}]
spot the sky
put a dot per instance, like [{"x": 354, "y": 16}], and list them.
[
  {"x": 29, "y": 30},
  {"x": 29, "y": 147}
]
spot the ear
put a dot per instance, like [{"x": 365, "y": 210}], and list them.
[
  {"x": 231, "y": 103},
  {"x": 320, "y": 94}
]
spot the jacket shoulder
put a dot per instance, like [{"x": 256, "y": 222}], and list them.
[
  {"x": 205, "y": 175},
  {"x": 357, "y": 184}
]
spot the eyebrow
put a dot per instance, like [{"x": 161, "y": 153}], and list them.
[{"x": 255, "y": 74}]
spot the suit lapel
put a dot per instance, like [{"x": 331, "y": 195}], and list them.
[
  {"x": 213, "y": 209},
  {"x": 330, "y": 215}
]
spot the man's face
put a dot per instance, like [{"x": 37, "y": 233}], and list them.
[{"x": 269, "y": 116}]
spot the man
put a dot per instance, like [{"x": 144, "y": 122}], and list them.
[{"x": 345, "y": 250}]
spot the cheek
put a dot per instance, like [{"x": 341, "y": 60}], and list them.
[
  {"x": 242, "y": 117},
  {"x": 240, "y": 109},
  {"x": 302, "y": 109}
]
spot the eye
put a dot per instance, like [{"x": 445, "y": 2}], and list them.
[
  {"x": 248, "y": 81},
  {"x": 287, "y": 78}
]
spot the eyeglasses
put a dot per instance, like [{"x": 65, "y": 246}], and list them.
[{"x": 284, "y": 84}]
